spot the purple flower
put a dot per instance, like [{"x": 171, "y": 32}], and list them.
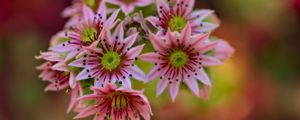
[
  {"x": 180, "y": 57},
  {"x": 176, "y": 17},
  {"x": 116, "y": 104},
  {"x": 110, "y": 59}
]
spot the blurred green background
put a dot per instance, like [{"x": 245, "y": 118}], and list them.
[{"x": 260, "y": 82}]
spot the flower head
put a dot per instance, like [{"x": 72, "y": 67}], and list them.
[
  {"x": 127, "y": 6},
  {"x": 75, "y": 11},
  {"x": 110, "y": 59},
  {"x": 176, "y": 17},
  {"x": 116, "y": 103},
  {"x": 60, "y": 78},
  {"x": 180, "y": 57},
  {"x": 85, "y": 32}
]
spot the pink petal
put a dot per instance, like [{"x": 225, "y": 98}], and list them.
[
  {"x": 129, "y": 41},
  {"x": 144, "y": 112},
  {"x": 137, "y": 73},
  {"x": 105, "y": 34},
  {"x": 60, "y": 67},
  {"x": 156, "y": 42},
  {"x": 153, "y": 20},
  {"x": 205, "y": 27},
  {"x": 223, "y": 50},
  {"x": 203, "y": 77},
  {"x": 134, "y": 52},
  {"x": 161, "y": 86},
  {"x": 110, "y": 21},
  {"x": 171, "y": 39},
  {"x": 154, "y": 73},
  {"x": 207, "y": 47},
  {"x": 142, "y": 3},
  {"x": 210, "y": 61},
  {"x": 73, "y": 101},
  {"x": 90, "y": 97},
  {"x": 71, "y": 55},
  {"x": 64, "y": 47},
  {"x": 205, "y": 91},
  {"x": 186, "y": 34},
  {"x": 150, "y": 57},
  {"x": 72, "y": 80},
  {"x": 88, "y": 111},
  {"x": 192, "y": 84},
  {"x": 102, "y": 10},
  {"x": 162, "y": 4},
  {"x": 174, "y": 88},
  {"x": 198, "y": 40},
  {"x": 190, "y": 7},
  {"x": 88, "y": 13},
  {"x": 78, "y": 62},
  {"x": 127, "y": 8},
  {"x": 200, "y": 15},
  {"x": 119, "y": 32},
  {"x": 126, "y": 82},
  {"x": 86, "y": 74}
]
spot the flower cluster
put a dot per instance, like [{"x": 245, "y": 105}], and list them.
[{"x": 93, "y": 57}]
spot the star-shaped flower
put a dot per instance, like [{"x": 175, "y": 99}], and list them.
[{"x": 180, "y": 57}]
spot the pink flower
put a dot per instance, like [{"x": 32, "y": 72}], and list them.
[
  {"x": 85, "y": 32},
  {"x": 75, "y": 11},
  {"x": 180, "y": 57},
  {"x": 223, "y": 50},
  {"x": 175, "y": 18},
  {"x": 55, "y": 72},
  {"x": 113, "y": 61},
  {"x": 116, "y": 103},
  {"x": 127, "y": 6}
]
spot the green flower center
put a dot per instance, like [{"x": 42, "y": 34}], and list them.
[
  {"x": 178, "y": 59},
  {"x": 89, "y": 35},
  {"x": 119, "y": 100},
  {"x": 177, "y": 23},
  {"x": 110, "y": 60}
]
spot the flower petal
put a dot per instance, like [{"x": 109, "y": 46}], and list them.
[
  {"x": 86, "y": 74},
  {"x": 60, "y": 67},
  {"x": 88, "y": 13},
  {"x": 119, "y": 32},
  {"x": 150, "y": 57},
  {"x": 134, "y": 52},
  {"x": 156, "y": 42},
  {"x": 174, "y": 88},
  {"x": 110, "y": 21},
  {"x": 210, "y": 61},
  {"x": 161, "y": 86},
  {"x": 203, "y": 77},
  {"x": 88, "y": 111},
  {"x": 129, "y": 41},
  {"x": 102, "y": 10},
  {"x": 127, "y": 9},
  {"x": 154, "y": 73},
  {"x": 153, "y": 20},
  {"x": 192, "y": 84},
  {"x": 186, "y": 34},
  {"x": 137, "y": 73}
]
